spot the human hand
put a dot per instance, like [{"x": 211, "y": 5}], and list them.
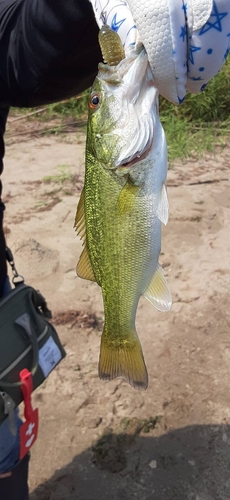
[{"x": 187, "y": 41}]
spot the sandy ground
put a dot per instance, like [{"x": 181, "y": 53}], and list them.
[{"x": 105, "y": 440}]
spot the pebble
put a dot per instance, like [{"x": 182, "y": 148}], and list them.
[
  {"x": 225, "y": 438},
  {"x": 153, "y": 464},
  {"x": 166, "y": 264}
]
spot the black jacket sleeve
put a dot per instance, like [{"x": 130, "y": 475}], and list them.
[
  {"x": 49, "y": 50},
  {"x": 3, "y": 117}
]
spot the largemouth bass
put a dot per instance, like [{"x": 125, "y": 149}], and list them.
[{"x": 123, "y": 204}]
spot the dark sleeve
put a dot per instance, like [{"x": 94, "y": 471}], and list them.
[
  {"x": 48, "y": 50},
  {"x": 3, "y": 117}
]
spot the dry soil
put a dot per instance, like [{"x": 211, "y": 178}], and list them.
[{"x": 106, "y": 441}]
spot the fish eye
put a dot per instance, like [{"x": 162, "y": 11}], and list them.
[{"x": 94, "y": 100}]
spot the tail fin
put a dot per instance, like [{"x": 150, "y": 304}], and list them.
[{"x": 123, "y": 359}]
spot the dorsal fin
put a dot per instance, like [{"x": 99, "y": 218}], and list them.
[
  {"x": 80, "y": 218},
  {"x": 84, "y": 268},
  {"x": 158, "y": 292}
]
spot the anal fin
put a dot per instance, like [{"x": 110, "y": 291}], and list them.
[{"x": 158, "y": 292}]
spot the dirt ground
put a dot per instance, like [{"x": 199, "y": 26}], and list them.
[{"x": 106, "y": 441}]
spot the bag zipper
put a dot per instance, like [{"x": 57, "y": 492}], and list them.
[
  {"x": 9, "y": 406},
  {"x": 15, "y": 290}
]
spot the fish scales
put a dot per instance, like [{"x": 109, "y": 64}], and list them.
[{"x": 122, "y": 207}]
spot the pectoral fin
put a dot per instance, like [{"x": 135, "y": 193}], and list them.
[
  {"x": 84, "y": 268},
  {"x": 158, "y": 292},
  {"x": 163, "y": 207},
  {"x": 127, "y": 198}
]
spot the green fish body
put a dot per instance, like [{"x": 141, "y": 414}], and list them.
[{"x": 121, "y": 209}]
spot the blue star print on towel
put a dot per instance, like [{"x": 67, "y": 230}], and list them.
[
  {"x": 194, "y": 79},
  {"x": 184, "y": 7},
  {"x": 192, "y": 50},
  {"x": 211, "y": 44},
  {"x": 116, "y": 24},
  {"x": 183, "y": 33},
  {"x": 216, "y": 24}
]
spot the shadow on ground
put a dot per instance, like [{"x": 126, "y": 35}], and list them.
[{"x": 192, "y": 463}]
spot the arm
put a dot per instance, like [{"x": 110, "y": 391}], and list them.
[
  {"x": 3, "y": 117},
  {"x": 48, "y": 50}
]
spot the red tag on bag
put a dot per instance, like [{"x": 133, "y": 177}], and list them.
[
  {"x": 28, "y": 433},
  {"x": 29, "y": 429}
]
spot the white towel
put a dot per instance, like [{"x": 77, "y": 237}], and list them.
[{"x": 187, "y": 41}]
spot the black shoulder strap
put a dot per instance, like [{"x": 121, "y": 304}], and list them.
[{"x": 17, "y": 278}]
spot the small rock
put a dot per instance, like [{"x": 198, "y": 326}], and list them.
[
  {"x": 61, "y": 493},
  {"x": 95, "y": 423},
  {"x": 77, "y": 368},
  {"x": 166, "y": 264},
  {"x": 153, "y": 464},
  {"x": 225, "y": 438},
  {"x": 191, "y": 462}
]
